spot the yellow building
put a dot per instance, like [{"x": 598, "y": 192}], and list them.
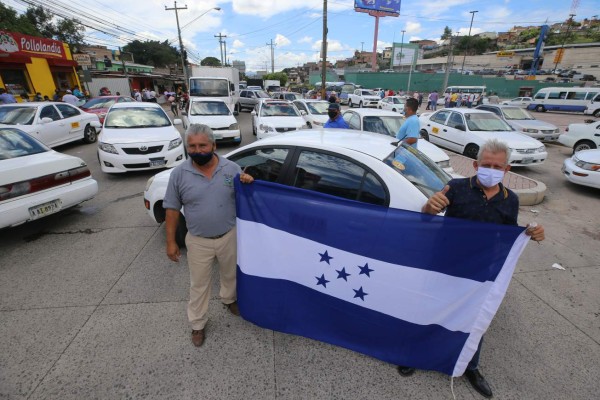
[{"x": 30, "y": 64}]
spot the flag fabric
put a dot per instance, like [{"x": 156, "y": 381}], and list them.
[{"x": 407, "y": 288}]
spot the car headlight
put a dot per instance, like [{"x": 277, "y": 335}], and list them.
[
  {"x": 541, "y": 149},
  {"x": 174, "y": 143},
  {"x": 149, "y": 183},
  {"x": 266, "y": 128},
  {"x": 234, "y": 127},
  {"x": 586, "y": 165},
  {"x": 557, "y": 130},
  {"x": 530, "y": 130},
  {"x": 108, "y": 148}
]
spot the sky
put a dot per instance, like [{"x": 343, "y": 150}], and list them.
[{"x": 296, "y": 26}]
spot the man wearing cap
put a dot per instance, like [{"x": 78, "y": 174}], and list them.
[
  {"x": 335, "y": 117},
  {"x": 69, "y": 98}
]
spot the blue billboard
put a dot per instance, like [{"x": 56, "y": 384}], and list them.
[{"x": 388, "y": 6}]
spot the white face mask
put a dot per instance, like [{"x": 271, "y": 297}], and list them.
[{"x": 489, "y": 177}]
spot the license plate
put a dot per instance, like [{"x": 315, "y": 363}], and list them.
[
  {"x": 218, "y": 136},
  {"x": 527, "y": 160},
  {"x": 157, "y": 163},
  {"x": 45, "y": 209},
  {"x": 74, "y": 125}
]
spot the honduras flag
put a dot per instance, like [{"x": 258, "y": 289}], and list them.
[{"x": 408, "y": 288}]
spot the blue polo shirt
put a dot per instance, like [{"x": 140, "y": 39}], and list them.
[
  {"x": 410, "y": 129},
  {"x": 336, "y": 123},
  {"x": 468, "y": 201}
]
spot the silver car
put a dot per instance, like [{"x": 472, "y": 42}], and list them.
[
  {"x": 249, "y": 98},
  {"x": 523, "y": 122}
]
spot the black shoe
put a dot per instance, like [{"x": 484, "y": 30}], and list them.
[
  {"x": 406, "y": 371},
  {"x": 478, "y": 382}
]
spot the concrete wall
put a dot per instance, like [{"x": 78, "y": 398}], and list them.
[{"x": 113, "y": 84}]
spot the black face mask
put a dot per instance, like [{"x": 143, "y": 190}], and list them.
[
  {"x": 332, "y": 114},
  {"x": 201, "y": 158}
]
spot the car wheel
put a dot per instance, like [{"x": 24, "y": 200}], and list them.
[
  {"x": 309, "y": 125},
  {"x": 471, "y": 151},
  {"x": 89, "y": 134},
  {"x": 379, "y": 107},
  {"x": 424, "y": 134},
  {"x": 393, "y": 109},
  {"x": 597, "y": 113},
  {"x": 583, "y": 145},
  {"x": 181, "y": 232},
  {"x": 360, "y": 104},
  {"x": 540, "y": 108}
]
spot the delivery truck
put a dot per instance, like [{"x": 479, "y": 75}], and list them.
[{"x": 215, "y": 82}]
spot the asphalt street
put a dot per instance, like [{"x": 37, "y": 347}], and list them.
[{"x": 92, "y": 308}]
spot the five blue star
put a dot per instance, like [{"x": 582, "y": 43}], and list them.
[
  {"x": 325, "y": 257},
  {"x": 360, "y": 293},
  {"x": 365, "y": 270},
  {"x": 322, "y": 281},
  {"x": 343, "y": 274}
]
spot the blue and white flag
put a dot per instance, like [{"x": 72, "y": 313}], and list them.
[{"x": 404, "y": 287}]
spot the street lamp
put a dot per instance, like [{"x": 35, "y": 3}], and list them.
[
  {"x": 462, "y": 69},
  {"x": 401, "y": 45}
]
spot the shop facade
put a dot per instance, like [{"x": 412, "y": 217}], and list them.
[{"x": 30, "y": 64}]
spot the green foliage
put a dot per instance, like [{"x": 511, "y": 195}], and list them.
[
  {"x": 475, "y": 45},
  {"x": 153, "y": 52},
  {"x": 210, "y": 62},
  {"x": 447, "y": 33},
  {"x": 529, "y": 34},
  {"x": 280, "y": 76},
  {"x": 12, "y": 22}
]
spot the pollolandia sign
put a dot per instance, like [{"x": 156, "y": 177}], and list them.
[{"x": 30, "y": 46}]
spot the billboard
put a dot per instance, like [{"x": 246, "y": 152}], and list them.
[
  {"x": 387, "y": 6},
  {"x": 405, "y": 54}
]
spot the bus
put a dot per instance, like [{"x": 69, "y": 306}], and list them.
[
  {"x": 479, "y": 90},
  {"x": 573, "y": 99}
]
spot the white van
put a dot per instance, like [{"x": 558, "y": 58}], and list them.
[
  {"x": 573, "y": 99},
  {"x": 593, "y": 107}
]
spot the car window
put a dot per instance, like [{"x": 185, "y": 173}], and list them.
[
  {"x": 50, "y": 112},
  {"x": 243, "y": 93},
  {"x": 455, "y": 120},
  {"x": 68, "y": 111},
  {"x": 136, "y": 117},
  {"x": 385, "y": 125},
  {"x": 318, "y": 108},
  {"x": 17, "y": 115},
  {"x": 337, "y": 176},
  {"x": 576, "y": 95},
  {"x": 516, "y": 114},
  {"x": 15, "y": 143},
  {"x": 486, "y": 122},
  {"x": 440, "y": 117},
  {"x": 99, "y": 102},
  {"x": 300, "y": 106},
  {"x": 540, "y": 96},
  {"x": 264, "y": 163},
  {"x": 354, "y": 122}
]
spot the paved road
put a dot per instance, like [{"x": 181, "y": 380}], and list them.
[{"x": 90, "y": 307}]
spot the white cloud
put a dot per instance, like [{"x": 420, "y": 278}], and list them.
[
  {"x": 268, "y": 8},
  {"x": 238, "y": 43},
  {"x": 332, "y": 45},
  {"x": 382, "y": 45},
  {"x": 306, "y": 39},
  {"x": 281, "y": 40},
  {"x": 410, "y": 39},
  {"x": 465, "y": 31},
  {"x": 413, "y": 27}
]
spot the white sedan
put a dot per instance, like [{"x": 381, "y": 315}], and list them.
[
  {"x": 466, "y": 130},
  {"x": 52, "y": 123},
  {"x": 361, "y": 166},
  {"x": 216, "y": 115},
  {"x": 392, "y": 103},
  {"x": 583, "y": 168},
  {"x": 581, "y": 136},
  {"x": 139, "y": 136},
  {"x": 274, "y": 117},
  {"x": 522, "y": 102},
  {"x": 313, "y": 111},
  {"x": 388, "y": 123},
  {"x": 36, "y": 181}
]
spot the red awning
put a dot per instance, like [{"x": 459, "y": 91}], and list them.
[
  {"x": 54, "y": 62},
  {"x": 14, "y": 59}
]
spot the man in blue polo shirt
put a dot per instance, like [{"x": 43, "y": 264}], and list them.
[
  {"x": 410, "y": 130},
  {"x": 335, "y": 117}
]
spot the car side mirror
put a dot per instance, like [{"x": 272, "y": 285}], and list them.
[
  {"x": 302, "y": 112},
  {"x": 177, "y": 121},
  {"x": 47, "y": 120},
  {"x": 461, "y": 127},
  {"x": 93, "y": 124}
]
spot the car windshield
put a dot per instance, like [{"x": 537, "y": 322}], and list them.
[
  {"x": 398, "y": 101},
  {"x": 209, "y": 108},
  {"x": 418, "y": 169},
  {"x": 318, "y": 108},
  {"x": 261, "y": 94},
  {"x": 209, "y": 87},
  {"x": 486, "y": 122},
  {"x": 136, "y": 117},
  {"x": 15, "y": 143},
  {"x": 100, "y": 102},
  {"x": 385, "y": 125},
  {"x": 278, "y": 110},
  {"x": 516, "y": 113},
  {"x": 17, "y": 115},
  {"x": 367, "y": 93}
]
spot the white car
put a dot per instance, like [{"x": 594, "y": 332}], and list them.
[
  {"x": 356, "y": 165},
  {"x": 52, "y": 123},
  {"x": 581, "y": 136},
  {"x": 464, "y": 130},
  {"x": 313, "y": 111},
  {"x": 522, "y": 102},
  {"x": 388, "y": 123},
  {"x": 216, "y": 115},
  {"x": 524, "y": 122},
  {"x": 36, "y": 181},
  {"x": 274, "y": 117},
  {"x": 392, "y": 103},
  {"x": 583, "y": 168},
  {"x": 139, "y": 136},
  {"x": 363, "y": 98}
]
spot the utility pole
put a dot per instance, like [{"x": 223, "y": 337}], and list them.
[
  {"x": 562, "y": 47},
  {"x": 272, "y": 55},
  {"x": 324, "y": 53},
  {"x": 185, "y": 76},
  {"x": 221, "y": 41},
  {"x": 225, "y": 51},
  {"x": 362, "y": 44},
  {"x": 401, "y": 47},
  {"x": 462, "y": 69},
  {"x": 450, "y": 62}
]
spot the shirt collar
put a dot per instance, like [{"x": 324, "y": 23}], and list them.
[{"x": 474, "y": 185}]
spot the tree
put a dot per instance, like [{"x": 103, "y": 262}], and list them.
[
  {"x": 210, "y": 62},
  {"x": 279, "y": 76},
  {"x": 69, "y": 31},
  {"x": 11, "y": 22},
  {"x": 447, "y": 33},
  {"x": 153, "y": 52}
]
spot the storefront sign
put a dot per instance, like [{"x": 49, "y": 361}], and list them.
[
  {"x": 17, "y": 44},
  {"x": 83, "y": 59},
  {"x": 505, "y": 54}
]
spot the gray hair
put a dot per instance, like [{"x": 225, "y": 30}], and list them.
[
  {"x": 200, "y": 129},
  {"x": 494, "y": 146}
]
